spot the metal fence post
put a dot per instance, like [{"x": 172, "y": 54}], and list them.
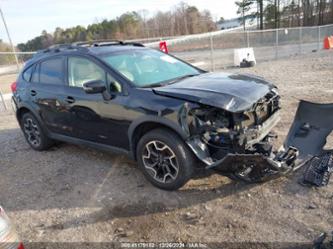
[
  {"x": 319, "y": 38},
  {"x": 212, "y": 64},
  {"x": 300, "y": 39},
  {"x": 277, "y": 44},
  {"x": 3, "y": 100},
  {"x": 248, "y": 38}
]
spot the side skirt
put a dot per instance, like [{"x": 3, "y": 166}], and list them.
[{"x": 98, "y": 146}]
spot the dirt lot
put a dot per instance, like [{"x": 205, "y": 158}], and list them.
[{"x": 74, "y": 194}]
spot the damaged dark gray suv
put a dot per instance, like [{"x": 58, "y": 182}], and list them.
[{"x": 168, "y": 115}]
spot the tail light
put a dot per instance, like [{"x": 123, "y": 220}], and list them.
[
  {"x": 20, "y": 246},
  {"x": 13, "y": 86},
  {"x": 8, "y": 236}
]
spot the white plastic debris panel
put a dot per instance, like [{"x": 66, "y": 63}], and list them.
[{"x": 242, "y": 54}]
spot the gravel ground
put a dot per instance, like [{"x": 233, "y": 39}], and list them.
[
  {"x": 76, "y": 194},
  {"x": 6, "y": 81}
]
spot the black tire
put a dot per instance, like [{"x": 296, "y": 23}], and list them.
[
  {"x": 182, "y": 156},
  {"x": 35, "y": 135}
]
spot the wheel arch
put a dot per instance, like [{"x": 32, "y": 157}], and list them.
[
  {"x": 21, "y": 111},
  {"x": 25, "y": 109},
  {"x": 141, "y": 126}
]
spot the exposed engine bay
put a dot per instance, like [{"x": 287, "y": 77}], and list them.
[{"x": 240, "y": 145}]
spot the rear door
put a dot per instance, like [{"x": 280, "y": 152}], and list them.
[{"x": 47, "y": 91}]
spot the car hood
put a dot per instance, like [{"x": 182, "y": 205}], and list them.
[{"x": 231, "y": 92}]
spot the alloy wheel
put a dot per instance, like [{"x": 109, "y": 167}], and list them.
[
  {"x": 160, "y": 161},
  {"x": 32, "y": 132}
]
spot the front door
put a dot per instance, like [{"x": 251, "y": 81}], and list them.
[{"x": 96, "y": 119}]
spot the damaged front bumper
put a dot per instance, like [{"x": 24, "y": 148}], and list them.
[
  {"x": 256, "y": 167},
  {"x": 306, "y": 139}
]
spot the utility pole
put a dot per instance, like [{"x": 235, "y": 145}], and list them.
[
  {"x": 261, "y": 7},
  {"x": 10, "y": 40}
]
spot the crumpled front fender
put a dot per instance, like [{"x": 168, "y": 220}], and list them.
[{"x": 305, "y": 140}]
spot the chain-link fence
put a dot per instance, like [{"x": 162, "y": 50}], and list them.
[
  {"x": 8, "y": 75},
  {"x": 4, "y": 102},
  {"x": 210, "y": 51},
  {"x": 213, "y": 51}
]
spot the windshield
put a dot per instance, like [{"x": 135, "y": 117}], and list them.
[{"x": 147, "y": 67}]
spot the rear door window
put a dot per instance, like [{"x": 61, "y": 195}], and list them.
[{"x": 52, "y": 71}]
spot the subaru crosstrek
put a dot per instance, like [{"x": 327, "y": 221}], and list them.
[{"x": 168, "y": 115}]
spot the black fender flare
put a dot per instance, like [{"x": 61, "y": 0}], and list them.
[
  {"x": 164, "y": 122},
  {"x": 34, "y": 111}
]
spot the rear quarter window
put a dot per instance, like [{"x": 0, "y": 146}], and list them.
[
  {"x": 35, "y": 75},
  {"x": 27, "y": 74}
]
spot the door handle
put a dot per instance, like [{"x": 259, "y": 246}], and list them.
[
  {"x": 70, "y": 100},
  {"x": 33, "y": 93}
]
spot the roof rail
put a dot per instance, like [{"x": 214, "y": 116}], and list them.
[
  {"x": 102, "y": 43},
  {"x": 60, "y": 47},
  {"x": 83, "y": 46},
  {"x": 93, "y": 42}
]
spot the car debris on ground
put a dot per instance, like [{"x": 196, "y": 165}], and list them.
[
  {"x": 323, "y": 241},
  {"x": 319, "y": 170}
]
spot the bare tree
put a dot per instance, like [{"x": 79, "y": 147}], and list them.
[
  {"x": 244, "y": 7},
  {"x": 143, "y": 14},
  {"x": 282, "y": 13}
]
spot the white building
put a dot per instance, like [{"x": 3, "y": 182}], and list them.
[
  {"x": 229, "y": 24},
  {"x": 235, "y": 23}
]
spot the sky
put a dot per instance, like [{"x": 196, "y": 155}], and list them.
[{"x": 26, "y": 19}]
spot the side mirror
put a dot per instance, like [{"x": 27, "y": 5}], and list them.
[{"x": 94, "y": 86}]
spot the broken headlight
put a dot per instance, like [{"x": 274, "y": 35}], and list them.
[{"x": 212, "y": 124}]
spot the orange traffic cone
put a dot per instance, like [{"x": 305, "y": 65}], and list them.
[
  {"x": 164, "y": 47},
  {"x": 328, "y": 42}
]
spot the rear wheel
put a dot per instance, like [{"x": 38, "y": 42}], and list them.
[
  {"x": 165, "y": 159},
  {"x": 34, "y": 133}
]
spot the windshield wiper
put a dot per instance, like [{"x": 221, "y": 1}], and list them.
[
  {"x": 169, "y": 82},
  {"x": 154, "y": 85},
  {"x": 180, "y": 78}
]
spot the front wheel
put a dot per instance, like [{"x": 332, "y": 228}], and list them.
[{"x": 165, "y": 159}]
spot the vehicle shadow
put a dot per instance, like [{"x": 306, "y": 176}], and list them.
[
  {"x": 68, "y": 176},
  {"x": 186, "y": 198}
]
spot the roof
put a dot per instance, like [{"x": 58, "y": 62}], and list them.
[{"x": 92, "y": 47}]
